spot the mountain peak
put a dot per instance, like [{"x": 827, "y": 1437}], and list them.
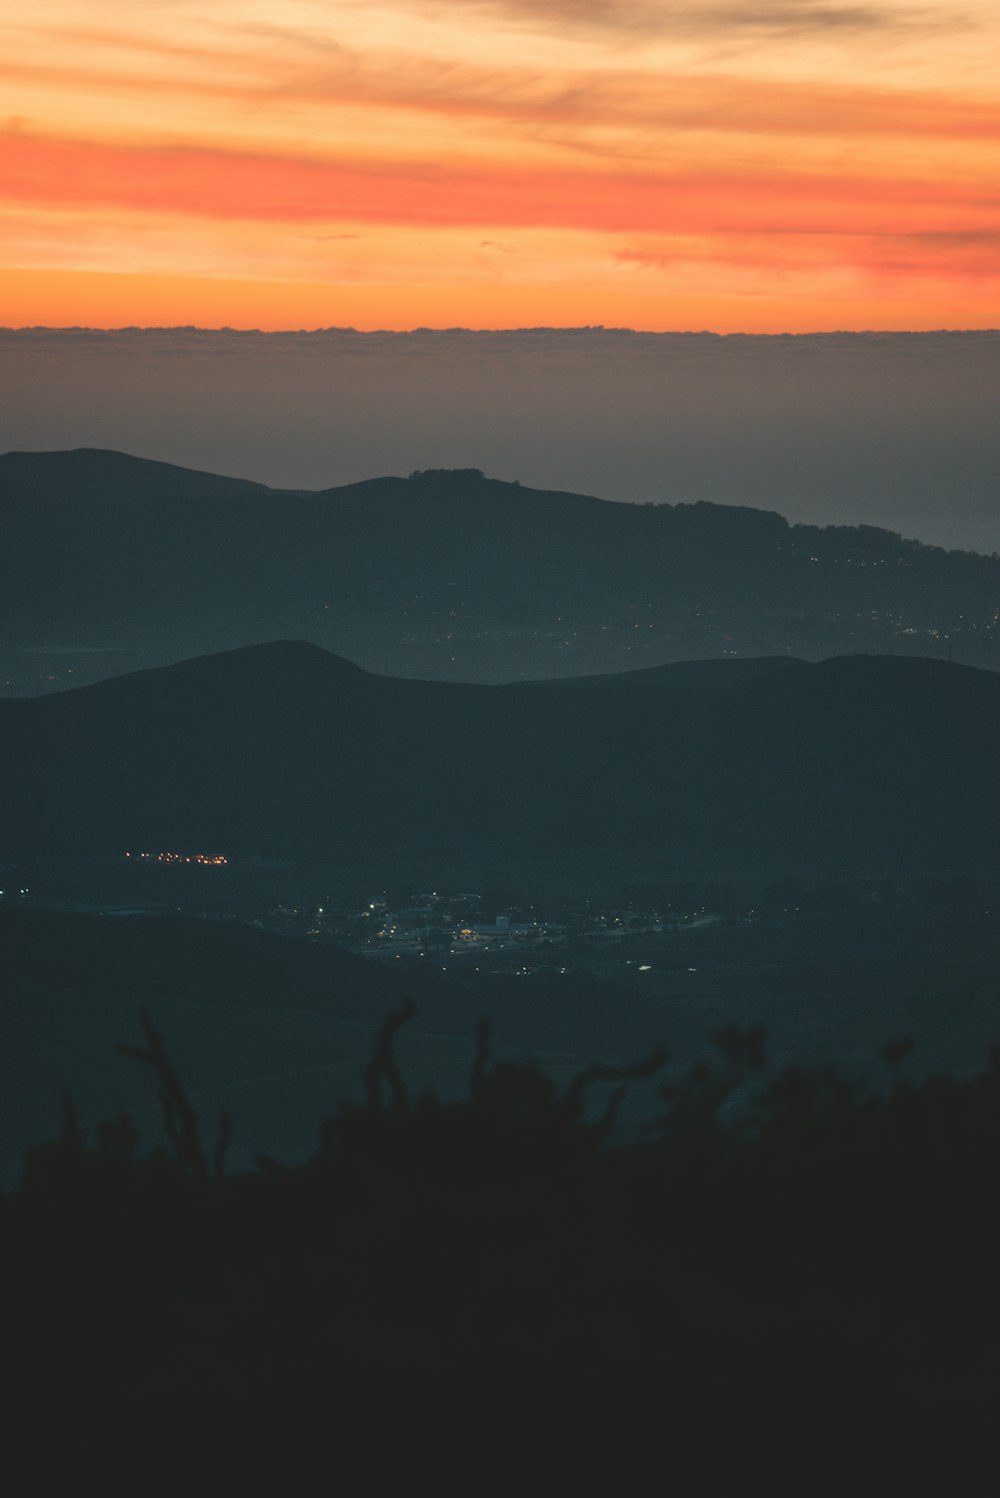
[
  {"x": 274, "y": 671},
  {"x": 447, "y": 476},
  {"x": 96, "y": 470}
]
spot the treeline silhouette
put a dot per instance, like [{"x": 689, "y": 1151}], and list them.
[{"x": 778, "y": 1245}]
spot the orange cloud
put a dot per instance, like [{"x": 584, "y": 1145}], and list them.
[
  {"x": 951, "y": 255},
  {"x": 654, "y": 99},
  {"x": 218, "y": 184},
  {"x": 784, "y": 150}
]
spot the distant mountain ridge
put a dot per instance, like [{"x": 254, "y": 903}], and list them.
[
  {"x": 97, "y": 473},
  {"x": 283, "y": 751},
  {"x": 110, "y": 563}
]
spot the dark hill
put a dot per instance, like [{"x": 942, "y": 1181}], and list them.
[
  {"x": 109, "y": 563},
  {"x": 94, "y": 474},
  {"x": 281, "y": 672},
  {"x": 283, "y": 752}
]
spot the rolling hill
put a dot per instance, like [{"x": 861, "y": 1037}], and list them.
[
  {"x": 284, "y": 751},
  {"x": 111, "y": 563}
]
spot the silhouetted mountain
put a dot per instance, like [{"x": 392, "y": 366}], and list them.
[
  {"x": 93, "y": 474},
  {"x": 283, "y": 751},
  {"x": 111, "y": 562}
]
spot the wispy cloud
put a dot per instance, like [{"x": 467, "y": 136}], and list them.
[
  {"x": 928, "y": 255},
  {"x": 214, "y": 183},
  {"x": 528, "y": 97},
  {"x": 707, "y": 21},
  {"x": 536, "y": 149}
]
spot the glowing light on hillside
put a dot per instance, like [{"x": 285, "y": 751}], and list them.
[{"x": 208, "y": 860}]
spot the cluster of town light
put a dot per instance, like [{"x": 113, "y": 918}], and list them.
[{"x": 204, "y": 858}]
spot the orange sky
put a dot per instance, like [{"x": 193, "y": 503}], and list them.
[{"x": 788, "y": 166}]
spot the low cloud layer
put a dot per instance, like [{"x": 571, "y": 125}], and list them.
[{"x": 897, "y": 430}]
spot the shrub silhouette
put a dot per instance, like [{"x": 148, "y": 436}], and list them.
[{"x": 816, "y": 1245}]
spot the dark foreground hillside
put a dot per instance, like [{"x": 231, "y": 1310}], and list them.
[
  {"x": 277, "y": 1029},
  {"x": 273, "y": 1029},
  {"x": 819, "y": 1267}
]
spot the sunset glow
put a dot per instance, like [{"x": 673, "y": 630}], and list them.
[{"x": 499, "y": 163}]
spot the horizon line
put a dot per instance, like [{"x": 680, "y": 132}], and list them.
[{"x": 526, "y": 328}]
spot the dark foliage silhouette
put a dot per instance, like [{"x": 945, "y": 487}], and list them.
[{"x": 777, "y": 1242}]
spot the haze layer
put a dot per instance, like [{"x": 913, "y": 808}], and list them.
[{"x": 893, "y": 430}]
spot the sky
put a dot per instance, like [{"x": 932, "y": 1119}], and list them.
[{"x": 775, "y": 166}]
